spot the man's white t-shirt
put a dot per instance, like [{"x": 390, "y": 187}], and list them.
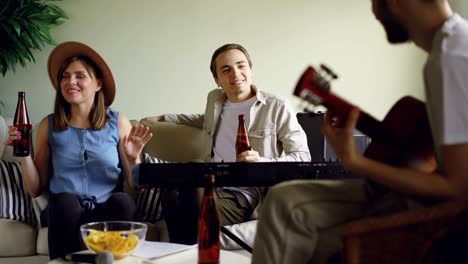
[{"x": 224, "y": 148}]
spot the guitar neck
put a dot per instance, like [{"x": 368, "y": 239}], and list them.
[
  {"x": 314, "y": 87},
  {"x": 366, "y": 123}
]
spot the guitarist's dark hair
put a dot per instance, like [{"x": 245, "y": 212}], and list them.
[{"x": 224, "y": 48}]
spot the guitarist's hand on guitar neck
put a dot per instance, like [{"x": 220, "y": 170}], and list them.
[
  {"x": 339, "y": 131},
  {"x": 403, "y": 136}
]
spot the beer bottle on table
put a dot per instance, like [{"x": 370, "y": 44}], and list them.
[
  {"x": 208, "y": 226},
  {"x": 242, "y": 140},
  {"x": 23, "y": 125}
]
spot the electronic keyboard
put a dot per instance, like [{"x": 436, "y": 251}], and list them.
[{"x": 237, "y": 174}]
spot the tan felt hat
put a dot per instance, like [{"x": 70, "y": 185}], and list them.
[{"x": 66, "y": 50}]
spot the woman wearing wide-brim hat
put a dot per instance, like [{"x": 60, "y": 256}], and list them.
[{"x": 82, "y": 149}]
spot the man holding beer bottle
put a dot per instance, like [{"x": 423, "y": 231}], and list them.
[{"x": 273, "y": 130}]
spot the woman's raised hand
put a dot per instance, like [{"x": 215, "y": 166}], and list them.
[{"x": 135, "y": 141}]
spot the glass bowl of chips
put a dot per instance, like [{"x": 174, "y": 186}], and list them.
[{"x": 120, "y": 238}]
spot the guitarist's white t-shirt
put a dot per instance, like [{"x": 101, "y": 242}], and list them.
[{"x": 446, "y": 83}]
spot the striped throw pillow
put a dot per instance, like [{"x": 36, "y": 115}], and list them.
[
  {"x": 148, "y": 202},
  {"x": 15, "y": 202}
]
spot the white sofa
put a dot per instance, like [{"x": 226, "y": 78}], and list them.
[{"x": 24, "y": 243}]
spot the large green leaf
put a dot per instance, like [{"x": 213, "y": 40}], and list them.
[
  {"x": 30, "y": 35},
  {"x": 57, "y": 11},
  {"x": 24, "y": 28},
  {"x": 11, "y": 59},
  {"x": 3, "y": 63},
  {"x": 15, "y": 25},
  {"x": 5, "y": 28}
]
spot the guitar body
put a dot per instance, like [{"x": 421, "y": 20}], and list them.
[
  {"x": 408, "y": 122},
  {"x": 403, "y": 138}
]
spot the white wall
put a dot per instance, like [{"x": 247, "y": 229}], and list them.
[
  {"x": 460, "y": 6},
  {"x": 159, "y": 51}
]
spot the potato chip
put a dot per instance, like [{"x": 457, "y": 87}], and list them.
[{"x": 115, "y": 242}]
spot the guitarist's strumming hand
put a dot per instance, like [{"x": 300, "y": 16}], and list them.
[{"x": 339, "y": 132}]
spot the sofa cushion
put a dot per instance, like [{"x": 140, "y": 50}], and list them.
[
  {"x": 42, "y": 246},
  {"x": 18, "y": 239},
  {"x": 173, "y": 142},
  {"x": 15, "y": 202},
  {"x": 26, "y": 260}
]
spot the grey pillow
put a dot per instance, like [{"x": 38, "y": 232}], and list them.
[{"x": 15, "y": 202}]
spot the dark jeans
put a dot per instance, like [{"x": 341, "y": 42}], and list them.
[
  {"x": 180, "y": 211},
  {"x": 65, "y": 214}
]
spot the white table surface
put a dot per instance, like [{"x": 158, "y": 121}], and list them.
[
  {"x": 185, "y": 257},
  {"x": 190, "y": 257}
]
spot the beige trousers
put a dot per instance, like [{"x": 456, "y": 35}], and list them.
[{"x": 300, "y": 221}]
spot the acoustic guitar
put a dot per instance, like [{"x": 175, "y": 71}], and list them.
[{"x": 402, "y": 138}]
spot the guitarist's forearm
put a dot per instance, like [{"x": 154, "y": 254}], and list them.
[{"x": 410, "y": 181}]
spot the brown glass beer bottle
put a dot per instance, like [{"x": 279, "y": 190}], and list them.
[
  {"x": 242, "y": 141},
  {"x": 23, "y": 125},
  {"x": 208, "y": 226}
]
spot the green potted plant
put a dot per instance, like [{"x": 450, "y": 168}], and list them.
[{"x": 24, "y": 27}]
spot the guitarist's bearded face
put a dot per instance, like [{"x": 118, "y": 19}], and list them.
[{"x": 396, "y": 33}]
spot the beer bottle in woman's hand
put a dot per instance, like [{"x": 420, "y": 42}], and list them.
[{"x": 23, "y": 125}]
